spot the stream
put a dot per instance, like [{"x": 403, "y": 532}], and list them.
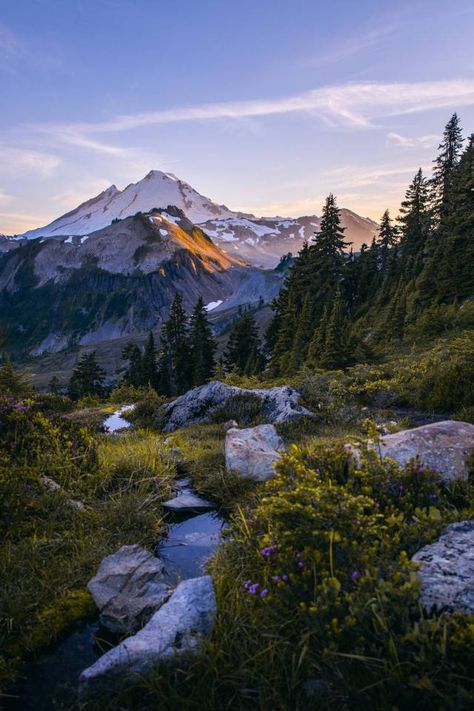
[{"x": 50, "y": 680}]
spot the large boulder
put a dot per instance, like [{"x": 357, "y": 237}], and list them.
[
  {"x": 128, "y": 588},
  {"x": 199, "y": 405},
  {"x": 252, "y": 452},
  {"x": 178, "y": 628},
  {"x": 447, "y": 570},
  {"x": 444, "y": 446}
]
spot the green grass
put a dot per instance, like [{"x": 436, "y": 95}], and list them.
[{"x": 357, "y": 648}]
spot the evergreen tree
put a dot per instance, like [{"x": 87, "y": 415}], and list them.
[
  {"x": 302, "y": 335},
  {"x": 415, "y": 219},
  {"x": 202, "y": 345},
  {"x": 444, "y": 165},
  {"x": 386, "y": 241},
  {"x": 452, "y": 265},
  {"x": 54, "y": 385},
  {"x": 318, "y": 340},
  {"x": 12, "y": 382},
  {"x": 87, "y": 377},
  {"x": 243, "y": 353},
  {"x": 133, "y": 374},
  {"x": 164, "y": 365},
  {"x": 174, "y": 364},
  {"x": 314, "y": 276},
  {"x": 334, "y": 353},
  {"x": 149, "y": 370}
]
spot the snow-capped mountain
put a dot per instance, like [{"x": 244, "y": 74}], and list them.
[
  {"x": 259, "y": 240},
  {"x": 63, "y": 292},
  {"x": 156, "y": 190},
  {"x": 263, "y": 241}
]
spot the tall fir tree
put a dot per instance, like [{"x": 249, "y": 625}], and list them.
[
  {"x": 149, "y": 370},
  {"x": 243, "y": 353},
  {"x": 316, "y": 274},
  {"x": 87, "y": 378},
  {"x": 202, "y": 345},
  {"x": 334, "y": 351},
  {"x": 386, "y": 241},
  {"x": 133, "y": 374},
  {"x": 444, "y": 166},
  {"x": 175, "y": 367},
  {"x": 415, "y": 220}
]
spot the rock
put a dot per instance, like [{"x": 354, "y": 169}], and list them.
[
  {"x": 444, "y": 446},
  {"x": 178, "y": 627},
  {"x": 187, "y": 501},
  {"x": 183, "y": 483},
  {"x": 447, "y": 570},
  {"x": 128, "y": 588},
  {"x": 252, "y": 452},
  {"x": 54, "y": 487},
  {"x": 229, "y": 424},
  {"x": 278, "y": 404}
]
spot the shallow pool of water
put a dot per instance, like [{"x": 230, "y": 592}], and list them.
[
  {"x": 51, "y": 680},
  {"x": 189, "y": 545},
  {"x": 116, "y": 422}
]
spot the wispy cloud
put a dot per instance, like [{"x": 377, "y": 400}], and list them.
[
  {"x": 358, "y": 176},
  {"x": 18, "y": 160},
  {"x": 357, "y": 105},
  {"x": 429, "y": 141},
  {"x": 353, "y": 46}
]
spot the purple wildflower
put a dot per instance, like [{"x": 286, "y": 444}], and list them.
[
  {"x": 301, "y": 564},
  {"x": 253, "y": 589},
  {"x": 276, "y": 578},
  {"x": 263, "y": 593},
  {"x": 268, "y": 551},
  {"x": 285, "y": 578},
  {"x": 354, "y": 576}
]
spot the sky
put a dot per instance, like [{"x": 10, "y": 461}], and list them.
[{"x": 264, "y": 105}]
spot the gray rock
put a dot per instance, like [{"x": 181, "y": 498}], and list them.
[
  {"x": 278, "y": 404},
  {"x": 447, "y": 570},
  {"x": 252, "y": 452},
  {"x": 187, "y": 501},
  {"x": 444, "y": 446},
  {"x": 128, "y": 588},
  {"x": 178, "y": 627},
  {"x": 184, "y": 483}
]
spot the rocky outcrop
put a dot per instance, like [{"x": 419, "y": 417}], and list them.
[
  {"x": 443, "y": 446},
  {"x": 447, "y": 570},
  {"x": 252, "y": 452},
  {"x": 277, "y": 405},
  {"x": 128, "y": 588},
  {"x": 178, "y": 628}
]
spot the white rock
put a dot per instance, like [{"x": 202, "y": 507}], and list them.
[
  {"x": 447, "y": 570},
  {"x": 252, "y": 452},
  {"x": 444, "y": 446},
  {"x": 187, "y": 501},
  {"x": 278, "y": 404},
  {"x": 177, "y": 628},
  {"x": 128, "y": 588}
]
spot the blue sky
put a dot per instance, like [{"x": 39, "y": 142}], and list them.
[{"x": 265, "y": 105}]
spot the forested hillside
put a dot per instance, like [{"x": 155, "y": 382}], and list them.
[{"x": 412, "y": 283}]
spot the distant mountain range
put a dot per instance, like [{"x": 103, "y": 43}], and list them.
[
  {"x": 260, "y": 241},
  {"x": 107, "y": 271},
  {"x": 63, "y": 292}
]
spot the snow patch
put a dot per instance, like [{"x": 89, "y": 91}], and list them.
[{"x": 213, "y": 305}]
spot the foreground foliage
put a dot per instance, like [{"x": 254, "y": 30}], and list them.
[{"x": 319, "y": 602}]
